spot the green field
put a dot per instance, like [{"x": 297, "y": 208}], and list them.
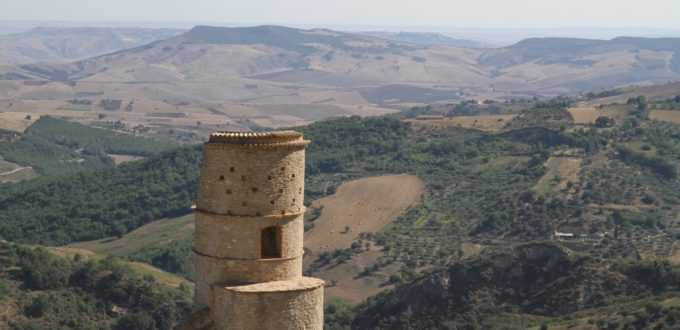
[
  {"x": 154, "y": 234},
  {"x": 559, "y": 171}
]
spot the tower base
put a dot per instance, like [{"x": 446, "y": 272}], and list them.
[
  {"x": 294, "y": 304},
  {"x": 278, "y": 305}
]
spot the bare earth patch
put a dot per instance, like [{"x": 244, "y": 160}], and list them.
[
  {"x": 120, "y": 159},
  {"x": 344, "y": 282},
  {"x": 364, "y": 205},
  {"x": 11, "y": 172}
]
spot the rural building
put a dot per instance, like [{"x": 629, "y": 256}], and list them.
[
  {"x": 559, "y": 235},
  {"x": 249, "y": 235}
]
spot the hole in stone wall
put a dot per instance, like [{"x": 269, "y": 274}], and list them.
[
  {"x": 243, "y": 177},
  {"x": 228, "y": 212},
  {"x": 231, "y": 169},
  {"x": 269, "y": 178},
  {"x": 244, "y": 203},
  {"x": 293, "y": 200},
  {"x": 254, "y": 189},
  {"x": 283, "y": 212},
  {"x": 293, "y": 176},
  {"x": 259, "y": 214},
  {"x": 221, "y": 177},
  {"x": 270, "y": 242},
  {"x": 228, "y": 191},
  {"x": 280, "y": 191},
  {"x": 271, "y": 202},
  {"x": 283, "y": 169}
]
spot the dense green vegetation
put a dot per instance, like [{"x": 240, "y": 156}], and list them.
[
  {"x": 528, "y": 285},
  {"x": 54, "y": 146},
  {"x": 176, "y": 257},
  {"x": 99, "y": 203},
  {"x": 52, "y": 292},
  {"x": 620, "y": 200}
]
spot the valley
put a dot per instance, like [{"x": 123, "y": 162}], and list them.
[
  {"x": 212, "y": 78},
  {"x": 514, "y": 187}
]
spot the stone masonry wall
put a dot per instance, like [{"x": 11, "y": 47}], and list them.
[
  {"x": 287, "y": 305},
  {"x": 249, "y": 182}
]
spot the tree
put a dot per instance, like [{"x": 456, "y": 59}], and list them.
[
  {"x": 136, "y": 321},
  {"x": 604, "y": 121}
]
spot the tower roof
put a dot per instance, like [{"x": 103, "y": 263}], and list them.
[{"x": 275, "y": 138}]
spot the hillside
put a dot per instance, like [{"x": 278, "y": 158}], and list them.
[
  {"x": 52, "y": 146},
  {"x": 529, "y": 286},
  {"x": 597, "y": 180},
  {"x": 61, "y": 45},
  {"x": 41, "y": 290},
  {"x": 426, "y": 38},
  {"x": 213, "y": 78}
]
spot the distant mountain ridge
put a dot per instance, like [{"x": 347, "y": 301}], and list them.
[
  {"x": 266, "y": 63},
  {"x": 53, "y": 44},
  {"x": 427, "y": 38}
]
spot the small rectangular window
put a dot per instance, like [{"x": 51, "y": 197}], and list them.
[{"x": 270, "y": 242}]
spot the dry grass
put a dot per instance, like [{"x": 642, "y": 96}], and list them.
[
  {"x": 16, "y": 121},
  {"x": 666, "y": 115},
  {"x": 675, "y": 255},
  {"x": 343, "y": 281},
  {"x": 491, "y": 123},
  {"x": 471, "y": 249},
  {"x": 364, "y": 205},
  {"x": 584, "y": 115}
]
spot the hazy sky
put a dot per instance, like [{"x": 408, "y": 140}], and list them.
[{"x": 451, "y": 13}]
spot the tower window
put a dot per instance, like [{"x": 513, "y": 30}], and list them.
[{"x": 270, "y": 242}]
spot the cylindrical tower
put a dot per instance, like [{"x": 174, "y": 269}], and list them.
[{"x": 249, "y": 233}]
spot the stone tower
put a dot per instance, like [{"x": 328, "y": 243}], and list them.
[{"x": 249, "y": 232}]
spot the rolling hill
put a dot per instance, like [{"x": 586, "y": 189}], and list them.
[
  {"x": 546, "y": 167},
  {"x": 52, "y": 44},
  {"x": 276, "y": 76}
]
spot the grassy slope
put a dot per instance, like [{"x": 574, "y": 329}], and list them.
[{"x": 156, "y": 233}]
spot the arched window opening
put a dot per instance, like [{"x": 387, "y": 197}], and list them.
[{"x": 270, "y": 242}]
